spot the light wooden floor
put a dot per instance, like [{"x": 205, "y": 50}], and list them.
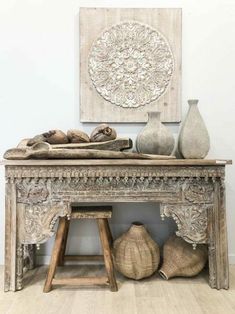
[{"x": 154, "y": 295}]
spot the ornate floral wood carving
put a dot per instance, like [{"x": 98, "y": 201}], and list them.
[
  {"x": 198, "y": 192},
  {"x": 191, "y": 221},
  {"x": 15, "y": 173},
  {"x": 45, "y": 199},
  {"x": 29, "y": 256},
  {"x": 19, "y": 266},
  {"x": 131, "y": 64},
  {"x": 33, "y": 193},
  {"x": 39, "y": 221},
  {"x": 192, "y": 195}
]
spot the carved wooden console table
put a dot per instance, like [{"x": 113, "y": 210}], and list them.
[{"x": 192, "y": 192}]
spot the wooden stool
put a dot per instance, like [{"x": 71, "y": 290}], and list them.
[{"x": 101, "y": 214}]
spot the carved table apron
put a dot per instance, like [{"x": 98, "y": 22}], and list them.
[{"x": 192, "y": 192}]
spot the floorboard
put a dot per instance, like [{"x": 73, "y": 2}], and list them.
[{"x": 148, "y": 296}]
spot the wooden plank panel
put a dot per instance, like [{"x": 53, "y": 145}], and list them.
[
  {"x": 86, "y": 281},
  {"x": 113, "y": 162},
  {"x": 93, "y": 107},
  {"x": 84, "y": 258},
  {"x": 91, "y": 212}
]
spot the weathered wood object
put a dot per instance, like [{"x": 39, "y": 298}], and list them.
[
  {"x": 51, "y": 137},
  {"x": 118, "y": 144},
  {"x": 77, "y": 136},
  {"x": 192, "y": 192},
  {"x": 103, "y": 133},
  {"x": 101, "y": 214},
  {"x": 45, "y": 151}
]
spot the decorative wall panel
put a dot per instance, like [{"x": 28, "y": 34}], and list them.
[{"x": 130, "y": 64}]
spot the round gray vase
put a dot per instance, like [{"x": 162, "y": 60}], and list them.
[
  {"x": 155, "y": 138},
  {"x": 194, "y": 141}
]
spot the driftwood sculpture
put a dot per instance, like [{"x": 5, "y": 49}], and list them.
[
  {"x": 102, "y": 133},
  {"x": 118, "y": 144},
  {"x": 51, "y": 137},
  {"x": 45, "y": 151},
  {"x": 77, "y": 136}
]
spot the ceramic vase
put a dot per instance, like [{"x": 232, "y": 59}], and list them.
[
  {"x": 155, "y": 138},
  {"x": 194, "y": 141},
  {"x": 181, "y": 259},
  {"x": 136, "y": 254}
]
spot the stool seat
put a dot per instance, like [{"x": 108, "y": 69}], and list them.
[
  {"x": 91, "y": 212},
  {"x": 101, "y": 214}
]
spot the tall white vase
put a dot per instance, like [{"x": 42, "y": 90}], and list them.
[
  {"x": 155, "y": 138},
  {"x": 194, "y": 141}
]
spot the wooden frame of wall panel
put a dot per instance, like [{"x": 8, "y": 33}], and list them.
[{"x": 93, "y": 21}]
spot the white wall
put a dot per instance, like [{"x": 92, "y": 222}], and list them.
[{"x": 39, "y": 89}]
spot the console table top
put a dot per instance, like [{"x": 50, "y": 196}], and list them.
[{"x": 116, "y": 162}]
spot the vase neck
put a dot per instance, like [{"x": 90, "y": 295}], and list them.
[
  {"x": 137, "y": 230},
  {"x": 153, "y": 117},
  {"x": 193, "y": 102}
]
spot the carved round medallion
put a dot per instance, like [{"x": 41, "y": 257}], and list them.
[{"x": 131, "y": 64}]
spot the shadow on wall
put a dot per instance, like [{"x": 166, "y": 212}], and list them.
[{"x": 83, "y": 234}]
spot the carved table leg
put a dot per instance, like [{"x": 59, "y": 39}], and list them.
[
  {"x": 30, "y": 256},
  {"x": 19, "y": 266},
  {"x": 10, "y": 238},
  {"x": 217, "y": 232},
  {"x": 13, "y": 249}
]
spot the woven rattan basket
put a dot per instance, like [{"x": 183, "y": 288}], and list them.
[
  {"x": 180, "y": 259},
  {"x": 136, "y": 254}
]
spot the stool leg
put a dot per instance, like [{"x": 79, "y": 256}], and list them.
[
  {"x": 109, "y": 234},
  {"x": 55, "y": 255},
  {"x": 107, "y": 254},
  {"x": 64, "y": 242}
]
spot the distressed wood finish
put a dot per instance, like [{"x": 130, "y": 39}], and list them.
[
  {"x": 118, "y": 144},
  {"x": 91, "y": 212},
  {"x": 101, "y": 215},
  {"x": 94, "y": 107},
  {"x": 108, "y": 260},
  {"x": 83, "y": 281},
  {"x": 29, "y": 256},
  {"x": 192, "y": 192},
  {"x": 84, "y": 258},
  {"x": 61, "y": 258},
  {"x": 55, "y": 255},
  {"x": 124, "y": 162},
  {"x": 217, "y": 237},
  {"x": 45, "y": 151}
]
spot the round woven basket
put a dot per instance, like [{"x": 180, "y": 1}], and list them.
[
  {"x": 136, "y": 254},
  {"x": 180, "y": 259}
]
